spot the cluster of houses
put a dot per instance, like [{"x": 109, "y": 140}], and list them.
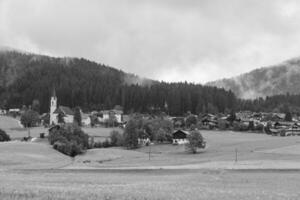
[
  {"x": 269, "y": 123},
  {"x": 116, "y": 114}
]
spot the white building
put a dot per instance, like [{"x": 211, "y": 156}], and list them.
[
  {"x": 68, "y": 114},
  {"x": 2, "y": 112},
  {"x": 118, "y": 114},
  {"x": 85, "y": 119}
]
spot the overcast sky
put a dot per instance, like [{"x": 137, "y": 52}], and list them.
[{"x": 171, "y": 40}]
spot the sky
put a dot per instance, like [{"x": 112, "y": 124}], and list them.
[{"x": 171, "y": 40}]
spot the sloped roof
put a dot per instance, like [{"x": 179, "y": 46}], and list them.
[
  {"x": 183, "y": 131},
  {"x": 65, "y": 110}
]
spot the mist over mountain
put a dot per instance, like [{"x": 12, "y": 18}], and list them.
[{"x": 267, "y": 81}]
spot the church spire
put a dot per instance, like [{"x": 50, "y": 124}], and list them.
[{"x": 53, "y": 92}]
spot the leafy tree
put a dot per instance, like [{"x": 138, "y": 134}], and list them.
[
  {"x": 77, "y": 116},
  {"x": 191, "y": 120},
  {"x": 36, "y": 105},
  {"x": 161, "y": 135},
  {"x": 29, "y": 119},
  {"x": 60, "y": 118},
  {"x": 131, "y": 134},
  {"x": 195, "y": 141},
  {"x": 288, "y": 116},
  {"x": 232, "y": 117}
]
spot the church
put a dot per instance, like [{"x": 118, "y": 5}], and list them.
[{"x": 66, "y": 112}]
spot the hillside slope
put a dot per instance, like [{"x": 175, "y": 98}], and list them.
[
  {"x": 92, "y": 86},
  {"x": 268, "y": 81}
]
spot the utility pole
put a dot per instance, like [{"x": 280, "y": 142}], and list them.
[
  {"x": 149, "y": 151},
  {"x": 236, "y": 155}
]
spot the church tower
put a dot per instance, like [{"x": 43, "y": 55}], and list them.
[{"x": 53, "y": 106}]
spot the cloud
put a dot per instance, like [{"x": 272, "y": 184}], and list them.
[{"x": 171, "y": 40}]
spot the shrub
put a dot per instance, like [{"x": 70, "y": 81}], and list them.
[
  {"x": 222, "y": 124},
  {"x": 259, "y": 127},
  {"x": 239, "y": 126},
  {"x": 106, "y": 143},
  {"x": 116, "y": 139},
  {"x": 98, "y": 145},
  {"x": 4, "y": 136}
]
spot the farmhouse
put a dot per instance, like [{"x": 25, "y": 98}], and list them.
[
  {"x": 180, "y": 137},
  {"x": 67, "y": 113},
  {"x": 117, "y": 114},
  {"x": 85, "y": 119}
]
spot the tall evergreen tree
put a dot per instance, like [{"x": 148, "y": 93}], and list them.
[{"x": 77, "y": 116}]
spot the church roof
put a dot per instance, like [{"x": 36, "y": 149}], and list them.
[{"x": 65, "y": 110}]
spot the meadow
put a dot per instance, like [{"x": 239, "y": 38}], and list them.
[{"x": 267, "y": 167}]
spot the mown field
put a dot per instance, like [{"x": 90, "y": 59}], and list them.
[{"x": 267, "y": 167}]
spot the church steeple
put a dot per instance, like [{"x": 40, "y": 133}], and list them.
[
  {"x": 53, "y": 107},
  {"x": 53, "y": 92}
]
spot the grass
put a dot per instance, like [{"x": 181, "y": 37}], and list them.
[
  {"x": 151, "y": 184},
  {"x": 25, "y": 155},
  {"x": 36, "y": 171}
]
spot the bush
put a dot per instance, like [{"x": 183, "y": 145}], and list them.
[
  {"x": 98, "y": 145},
  {"x": 106, "y": 144},
  {"x": 69, "y": 139},
  {"x": 239, "y": 126},
  {"x": 3, "y": 136},
  {"x": 116, "y": 139},
  {"x": 259, "y": 127}
]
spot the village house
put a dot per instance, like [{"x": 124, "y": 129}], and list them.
[
  {"x": 180, "y": 137},
  {"x": 2, "y": 112},
  {"x": 116, "y": 113},
  {"x": 85, "y": 119}
]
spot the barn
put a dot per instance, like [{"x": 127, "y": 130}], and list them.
[{"x": 180, "y": 137}]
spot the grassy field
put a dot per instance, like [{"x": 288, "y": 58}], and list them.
[
  {"x": 149, "y": 184},
  {"x": 267, "y": 168},
  {"x": 28, "y": 155}
]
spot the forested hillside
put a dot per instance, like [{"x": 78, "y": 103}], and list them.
[{"x": 92, "y": 86}]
